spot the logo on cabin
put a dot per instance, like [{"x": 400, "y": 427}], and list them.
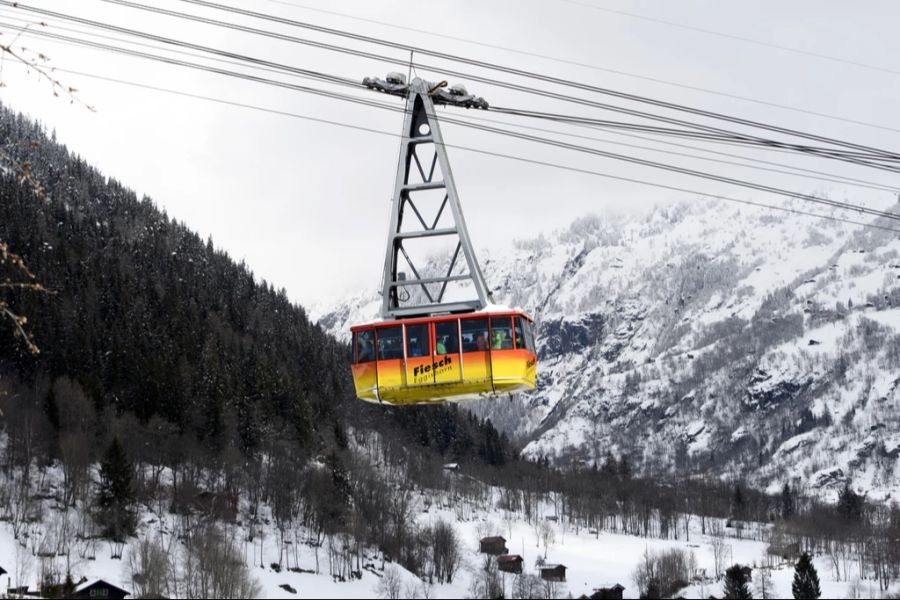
[{"x": 426, "y": 371}]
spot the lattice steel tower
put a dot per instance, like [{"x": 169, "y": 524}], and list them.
[{"x": 425, "y": 208}]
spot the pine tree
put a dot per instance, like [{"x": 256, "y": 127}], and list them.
[
  {"x": 850, "y": 505},
  {"x": 68, "y": 587},
  {"x": 787, "y": 502},
  {"x": 610, "y": 466},
  {"x": 806, "y": 580},
  {"x": 51, "y": 408},
  {"x": 116, "y": 495},
  {"x": 737, "y": 501},
  {"x": 737, "y": 582}
]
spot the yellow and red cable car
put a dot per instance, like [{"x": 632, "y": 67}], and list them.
[
  {"x": 433, "y": 345},
  {"x": 444, "y": 358}
]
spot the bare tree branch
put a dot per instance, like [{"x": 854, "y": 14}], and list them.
[{"x": 37, "y": 61}]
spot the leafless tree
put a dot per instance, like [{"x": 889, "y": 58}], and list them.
[
  {"x": 23, "y": 565},
  {"x": 151, "y": 569},
  {"x": 486, "y": 581},
  {"x": 718, "y": 545},
  {"x": 764, "y": 583},
  {"x": 390, "y": 584},
  {"x": 548, "y": 536},
  {"x": 75, "y": 456},
  {"x": 527, "y": 585},
  {"x": 213, "y": 567},
  {"x": 446, "y": 555}
]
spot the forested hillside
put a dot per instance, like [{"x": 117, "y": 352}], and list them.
[{"x": 153, "y": 328}]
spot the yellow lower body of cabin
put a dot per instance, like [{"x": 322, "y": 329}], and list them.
[{"x": 445, "y": 378}]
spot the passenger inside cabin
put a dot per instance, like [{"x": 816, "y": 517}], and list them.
[
  {"x": 481, "y": 342},
  {"x": 366, "y": 350},
  {"x": 390, "y": 343},
  {"x": 499, "y": 341},
  {"x": 446, "y": 335}
]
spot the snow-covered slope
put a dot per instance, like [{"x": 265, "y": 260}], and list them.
[
  {"x": 55, "y": 544},
  {"x": 707, "y": 337}
]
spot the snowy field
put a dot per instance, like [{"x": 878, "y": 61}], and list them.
[{"x": 592, "y": 560}]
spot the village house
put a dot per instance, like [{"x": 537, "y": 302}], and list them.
[
  {"x": 495, "y": 545},
  {"x": 510, "y": 563},
  {"x": 220, "y": 506},
  {"x": 553, "y": 573},
  {"x": 97, "y": 589},
  {"x": 608, "y": 592}
]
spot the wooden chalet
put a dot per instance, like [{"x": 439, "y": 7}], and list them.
[
  {"x": 510, "y": 563},
  {"x": 495, "y": 545},
  {"x": 219, "y": 506},
  {"x": 99, "y": 589},
  {"x": 23, "y": 591},
  {"x": 608, "y": 592},
  {"x": 553, "y": 572},
  {"x": 788, "y": 551}
]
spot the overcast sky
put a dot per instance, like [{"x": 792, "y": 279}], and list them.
[{"x": 306, "y": 204}]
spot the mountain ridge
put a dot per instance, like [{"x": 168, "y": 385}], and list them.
[{"x": 704, "y": 337}]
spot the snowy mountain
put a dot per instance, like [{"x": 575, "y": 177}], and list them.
[{"x": 706, "y": 337}]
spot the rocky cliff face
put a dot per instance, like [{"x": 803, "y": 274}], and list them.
[{"x": 707, "y": 338}]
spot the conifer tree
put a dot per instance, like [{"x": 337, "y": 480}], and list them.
[
  {"x": 737, "y": 502},
  {"x": 787, "y": 502},
  {"x": 68, "y": 586},
  {"x": 116, "y": 495},
  {"x": 806, "y": 580},
  {"x": 737, "y": 582},
  {"x": 850, "y": 505}
]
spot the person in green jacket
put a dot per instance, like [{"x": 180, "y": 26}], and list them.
[{"x": 497, "y": 343}]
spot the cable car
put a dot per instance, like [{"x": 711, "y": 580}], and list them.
[
  {"x": 447, "y": 358},
  {"x": 441, "y": 337}
]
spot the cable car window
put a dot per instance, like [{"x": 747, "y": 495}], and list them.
[
  {"x": 520, "y": 333},
  {"x": 390, "y": 342},
  {"x": 365, "y": 346},
  {"x": 529, "y": 334},
  {"x": 446, "y": 337},
  {"x": 501, "y": 333},
  {"x": 417, "y": 340},
  {"x": 474, "y": 335}
]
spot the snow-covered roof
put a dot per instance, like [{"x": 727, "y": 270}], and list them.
[
  {"x": 489, "y": 309},
  {"x": 92, "y": 582},
  {"x": 509, "y": 558}
]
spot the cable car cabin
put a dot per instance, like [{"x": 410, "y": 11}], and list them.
[{"x": 447, "y": 358}]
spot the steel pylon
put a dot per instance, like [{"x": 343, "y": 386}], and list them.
[{"x": 418, "y": 213}]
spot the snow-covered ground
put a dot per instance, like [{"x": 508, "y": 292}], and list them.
[{"x": 592, "y": 559}]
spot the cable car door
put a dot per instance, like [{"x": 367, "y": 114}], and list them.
[
  {"x": 476, "y": 355},
  {"x": 447, "y": 364},
  {"x": 419, "y": 368},
  {"x": 390, "y": 356},
  {"x": 503, "y": 355}
]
